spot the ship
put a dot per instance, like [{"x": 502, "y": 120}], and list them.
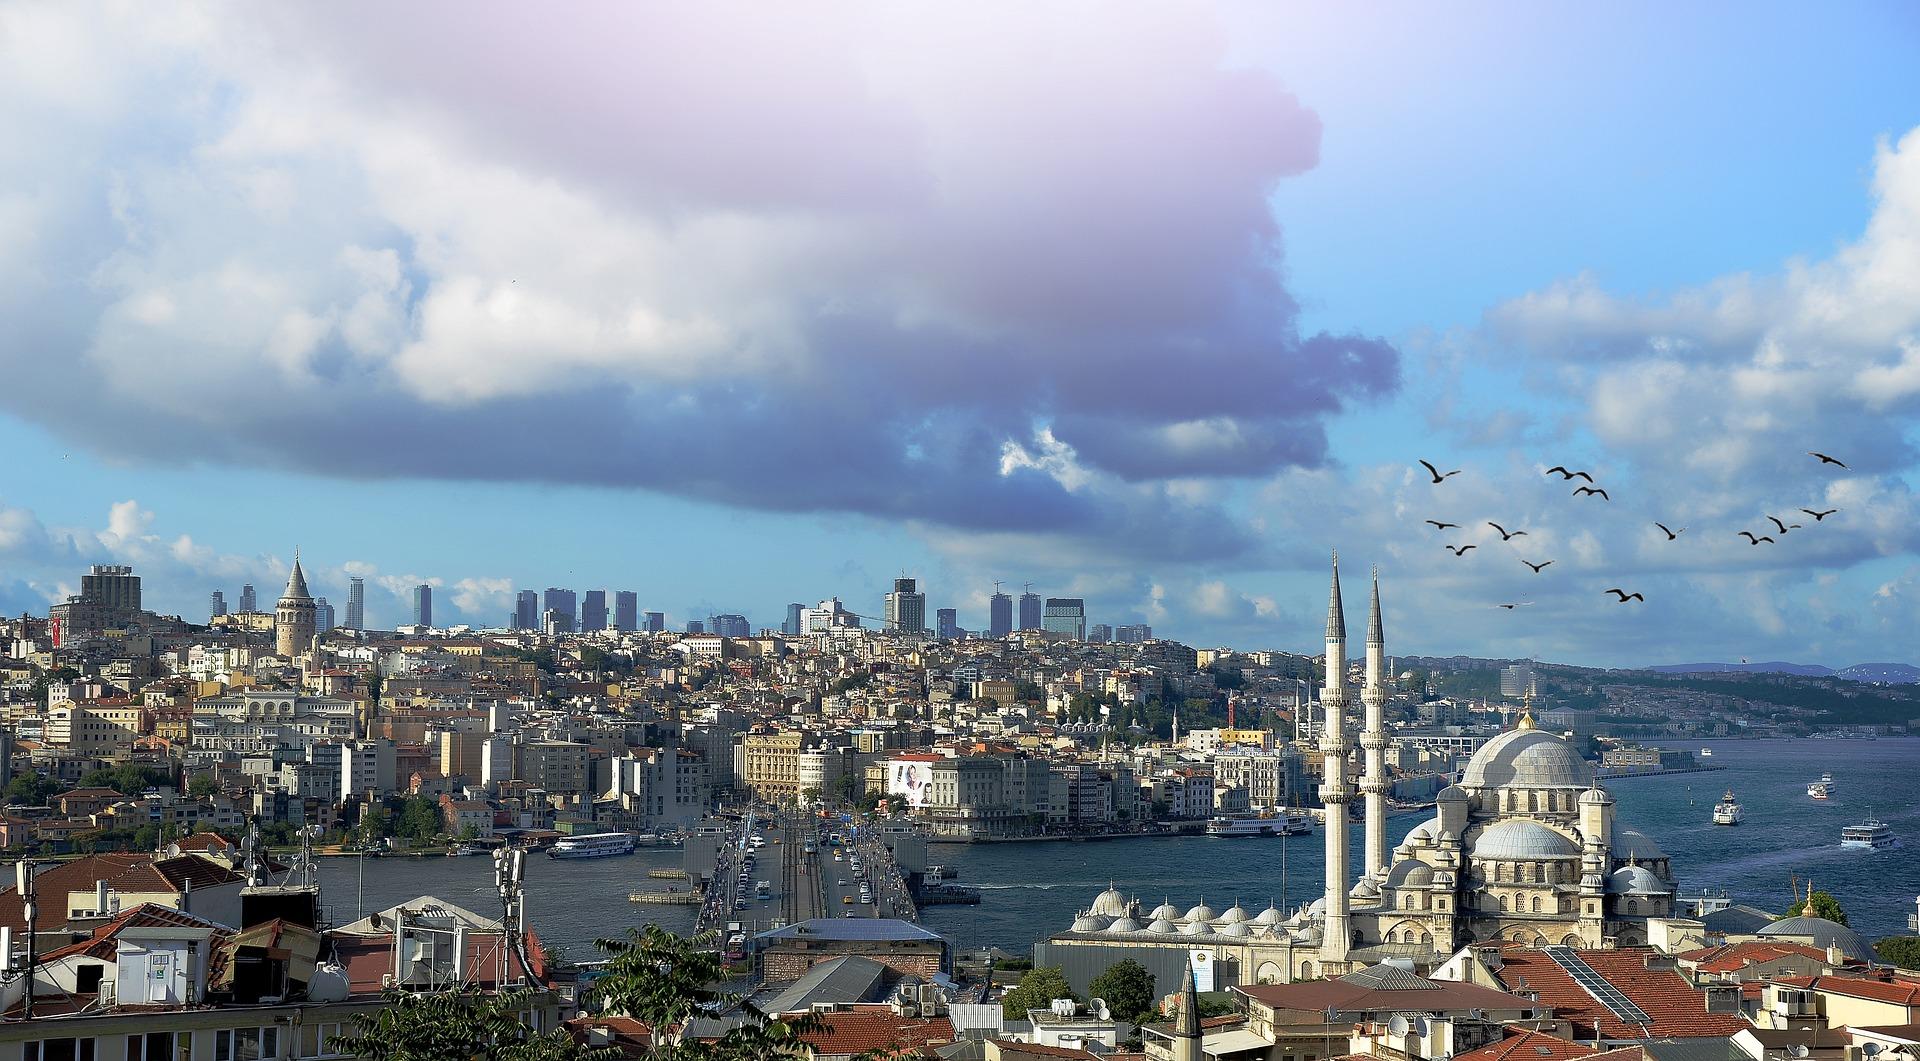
[
  {"x": 1818, "y": 791},
  {"x": 593, "y": 845},
  {"x": 1727, "y": 811},
  {"x": 1706, "y": 753},
  {"x": 1872, "y": 834},
  {"x": 1234, "y": 828}
]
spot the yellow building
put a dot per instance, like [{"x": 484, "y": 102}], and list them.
[{"x": 770, "y": 764}]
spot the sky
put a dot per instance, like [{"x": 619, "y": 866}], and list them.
[{"x": 1154, "y": 305}]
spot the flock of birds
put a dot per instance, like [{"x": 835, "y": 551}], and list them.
[{"x": 1592, "y": 489}]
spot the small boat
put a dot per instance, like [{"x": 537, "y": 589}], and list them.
[
  {"x": 465, "y": 850},
  {"x": 594, "y": 845},
  {"x": 1706, "y": 753},
  {"x": 1818, "y": 791},
  {"x": 1872, "y": 834},
  {"x": 1727, "y": 811}
]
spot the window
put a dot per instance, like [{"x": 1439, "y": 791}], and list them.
[
  {"x": 159, "y": 1046},
  {"x": 68, "y": 1049},
  {"x": 324, "y": 1034},
  {"x": 1536, "y": 904},
  {"x": 246, "y": 1044}
]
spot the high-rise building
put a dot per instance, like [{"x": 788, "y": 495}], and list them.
[
  {"x": 1066, "y": 616},
  {"x": 217, "y": 604},
  {"x": 293, "y": 619},
  {"x": 248, "y": 602},
  {"x": 322, "y": 615},
  {"x": 656, "y": 622},
  {"x": 1133, "y": 634},
  {"x": 423, "y": 605},
  {"x": 906, "y": 608},
  {"x": 729, "y": 625},
  {"x": 526, "y": 610},
  {"x": 1100, "y": 634},
  {"x": 593, "y": 611},
  {"x": 1516, "y": 681},
  {"x": 111, "y": 586},
  {"x": 946, "y": 623},
  {"x": 999, "y": 615},
  {"x": 626, "y": 611},
  {"x": 356, "y": 603},
  {"x": 563, "y": 602},
  {"x": 1029, "y": 611},
  {"x": 792, "y": 624},
  {"x": 695, "y": 626}
]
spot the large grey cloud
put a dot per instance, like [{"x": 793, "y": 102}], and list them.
[{"x": 839, "y": 259}]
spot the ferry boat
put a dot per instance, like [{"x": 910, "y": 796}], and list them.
[
  {"x": 1872, "y": 834},
  {"x": 465, "y": 851},
  {"x": 1241, "y": 827},
  {"x": 1706, "y": 753},
  {"x": 1727, "y": 811},
  {"x": 593, "y": 845},
  {"x": 1826, "y": 782},
  {"x": 1818, "y": 791}
]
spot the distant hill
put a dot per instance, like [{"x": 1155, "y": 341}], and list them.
[
  {"x": 1889, "y": 673},
  {"x": 1882, "y": 673}
]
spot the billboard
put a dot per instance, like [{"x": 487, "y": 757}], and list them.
[
  {"x": 909, "y": 779},
  {"x": 1202, "y": 964}
]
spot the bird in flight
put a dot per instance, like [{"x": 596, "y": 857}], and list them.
[
  {"x": 1460, "y": 550},
  {"x": 1565, "y": 474},
  {"x": 1818, "y": 516},
  {"x": 1784, "y": 527},
  {"x": 1505, "y": 535},
  {"x": 1437, "y": 525},
  {"x": 1516, "y": 604},
  {"x": 1435, "y": 472},
  {"x": 1824, "y": 459},
  {"x": 1756, "y": 539},
  {"x": 1671, "y": 533},
  {"x": 1625, "y": 596},
  {"x": 1604, "y": 496},
  {"x": 1538, "y": 566}
]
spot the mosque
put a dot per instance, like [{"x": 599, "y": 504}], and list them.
[{"x": 1525, "y": 848}]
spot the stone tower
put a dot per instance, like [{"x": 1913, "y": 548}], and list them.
[
  {"x": 293, "y": 618},
  {"x": 1373, "y": 741},
  {"x": 1335, "y": 793}
]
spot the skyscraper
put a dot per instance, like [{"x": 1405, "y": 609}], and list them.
[
  {"x": 322, "y": 615},
  {"x": 563, "y": 602},
  {"x": 356, "y": 603},
  {"x": 1134, "y": 633},
  {"x": 423, "y": 605},
  {"x": 1066, "y": 616},
  {"x": 526, "y": 610},
  {"x": 999, "y": 615},
  {"x": 656, "y": 622},
  {"x": 217, "y": 604},
  {"x": 626, "y": 611},
  {"x": 593, "y": 611},
  {"x": 1029, "y": 610},
  {"x": 293, "y": 620},
  {"x": 111, "y": 586},
  {"x": 906, "y": 608},
  {"x": 695, "y": 626},
  {"x": 247, "y": 601},
  {"x": 946, "y": 624},
  {"x": 1100, "y": 634},
  {"x": 792, "y": 625},
  {"x": 729, "y": 625}
]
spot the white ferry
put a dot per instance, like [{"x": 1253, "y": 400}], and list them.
[
  {"x": 1872, "y": 834},
  {"x": 1727, "y": 811},
  {"x": 1826, "y": 784},
  {"x": 1241, "y": 827},
  {"x": 1818, "y": 791},
  {"x": 594, "y": 845},
  {"x": 1706, "y": 753}
]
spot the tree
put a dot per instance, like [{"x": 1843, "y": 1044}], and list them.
[
  {"x": 662, "y": 979},
  {"x": 419, "y": 819},
  {"x": 31, "y": 789},
  {"x": 1825, "y": 905},
  {"x": 202, "y": 785},
  {"x": 458, "y": 1026},
  {"x": 1903, "y": 951},
  {"x": 1036, "y": 990},
  {"x": 1127, "y": 988}
]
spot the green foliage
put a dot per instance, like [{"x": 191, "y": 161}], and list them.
[
  {"x": 1227, "y": 677},
  {"x": 129, "y": 780},
  {"x": 1825, "y": 905},
  {"x": 202, "y": 785},
  {"x": 662, "y": 979},
  {"x": 1213, "y": 1007},
  {"x": 419, "y": 819},
  {"x": 1038, "y": 988},
  {"x": 32, "y": 789},
  {"x": 1029, "y": 692},
  {"x": 1127, "y": 987},
  {"x": 458, "y": 1026},
  {"x": 1903, "y": 951}
]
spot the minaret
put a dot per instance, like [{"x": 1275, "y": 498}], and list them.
[
  {"x": 293, "y": 618},
  {"x": 1186, "y": 1021},
  {"x": 1334, "y": 791},
  {"x": 1373, "y": 739}
]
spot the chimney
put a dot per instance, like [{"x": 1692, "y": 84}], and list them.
[
  {"x": 100, "y": 897},
  {"x": 1834, "y": 956}
]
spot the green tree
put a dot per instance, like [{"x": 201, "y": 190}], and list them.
[
  {"x": 662, "y": 979},
  {"x": 202, "y": 785},
  {"x": 32, "y": 789},
  {"x": 458, "y": 1026},
  {"x": 1127, "y": 988},
  {"x": 419, "y": 819},
  {"x": 1824, "y": 905},
  {"x": 1903, "y": 951},
  {"x": 1036, "y": 990}
]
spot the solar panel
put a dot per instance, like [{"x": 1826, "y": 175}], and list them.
[{"x": 1596, "y": 985}]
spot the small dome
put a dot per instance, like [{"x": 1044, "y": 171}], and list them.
[
  {"x": 1196, "y": 928},
  {"x": 1109, "y": 903},
  {"x": 1089, "y": 923},
  {"x": 1270, "y": 916},
  {"x": 1629, "y": 842},
  {"x": 1365, "y": 888},
  {"x": 1162, "y": 927},
  {"x": 1125, "y": 924},
  {"x": 1819, "y": 932},
  {"x": 1517, "y": 839},
  {"x": 1234, "y": 914},
  {"x": 1201, "y": 912},
  {"x": 1634, "y": 880},
  {"x": 1424, "y": 832},
  {"x": 1447, "y": 837},
  {"x": 1410, "y": 875},
  {"x": 1317, "y": 907},
  {"x": 1453, "y": 794},
  {"x": 1164, "y": 912},
  {"x": 1526, "y": 758},
  {"x": 1237, "y": 929}
]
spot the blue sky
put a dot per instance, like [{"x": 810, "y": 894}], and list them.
[{"x": 284, "y": 284}]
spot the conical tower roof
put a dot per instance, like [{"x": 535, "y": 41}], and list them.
[
  {"x": 1376, "y": 633},
  {"x": 1336, "y": 615},
  {"x": 1186, "y": 1023},
  {"x": 297, "y": 581}
]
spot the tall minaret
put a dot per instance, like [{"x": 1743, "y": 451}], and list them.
[
  {"x": 1373, "y": 739},
  {"x": 1334, "y": 791}
]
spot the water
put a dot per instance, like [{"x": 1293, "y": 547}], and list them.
[{"x": 1033, "y": 890}]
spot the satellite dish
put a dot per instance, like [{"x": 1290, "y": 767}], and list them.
[
  {"x": 1420, "y": 1026},
  {"x": 1800, "y": 1050},
  {"x": 1870, "y": 1049},
  {"x": 1397, "y": 1025}
]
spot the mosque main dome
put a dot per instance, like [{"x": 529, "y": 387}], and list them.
[{"x": 1526, "y": 758}]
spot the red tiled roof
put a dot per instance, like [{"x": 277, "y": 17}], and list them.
[
  {"x": 1677, "y": 1010},
  {"x": 1020, "y": 1049},
  {"x": 1525, "y": 1044},
  {"x": 876, "y": 1027},
  {"x": 1733, "y": 957},
  {"x": 1897, "y": 992},
  {"x": 102, "y": 944}
]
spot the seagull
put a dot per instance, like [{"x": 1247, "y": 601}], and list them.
[
  {"x": 1784, "y": 527},
  {"x": 1437, "y": 525},
  {"x": 1565, "y": 474},
  {"x": 1753, "y": 539},
  {"x": 1604, "y": 496},
  {"x": 1460, "y": 550},
  {"x": 1504, "y": 536},
  {"x": 1671, "y": 533},
  {"x": 1625, "y": 596},
  {"x": 1818, "y": 516},
  {"x": 1538, "y": 566},
  {"x": 1435, "y": 472},
  {"x": 1518, "y": 604},
  {"x": 1824, "y": 459}
]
